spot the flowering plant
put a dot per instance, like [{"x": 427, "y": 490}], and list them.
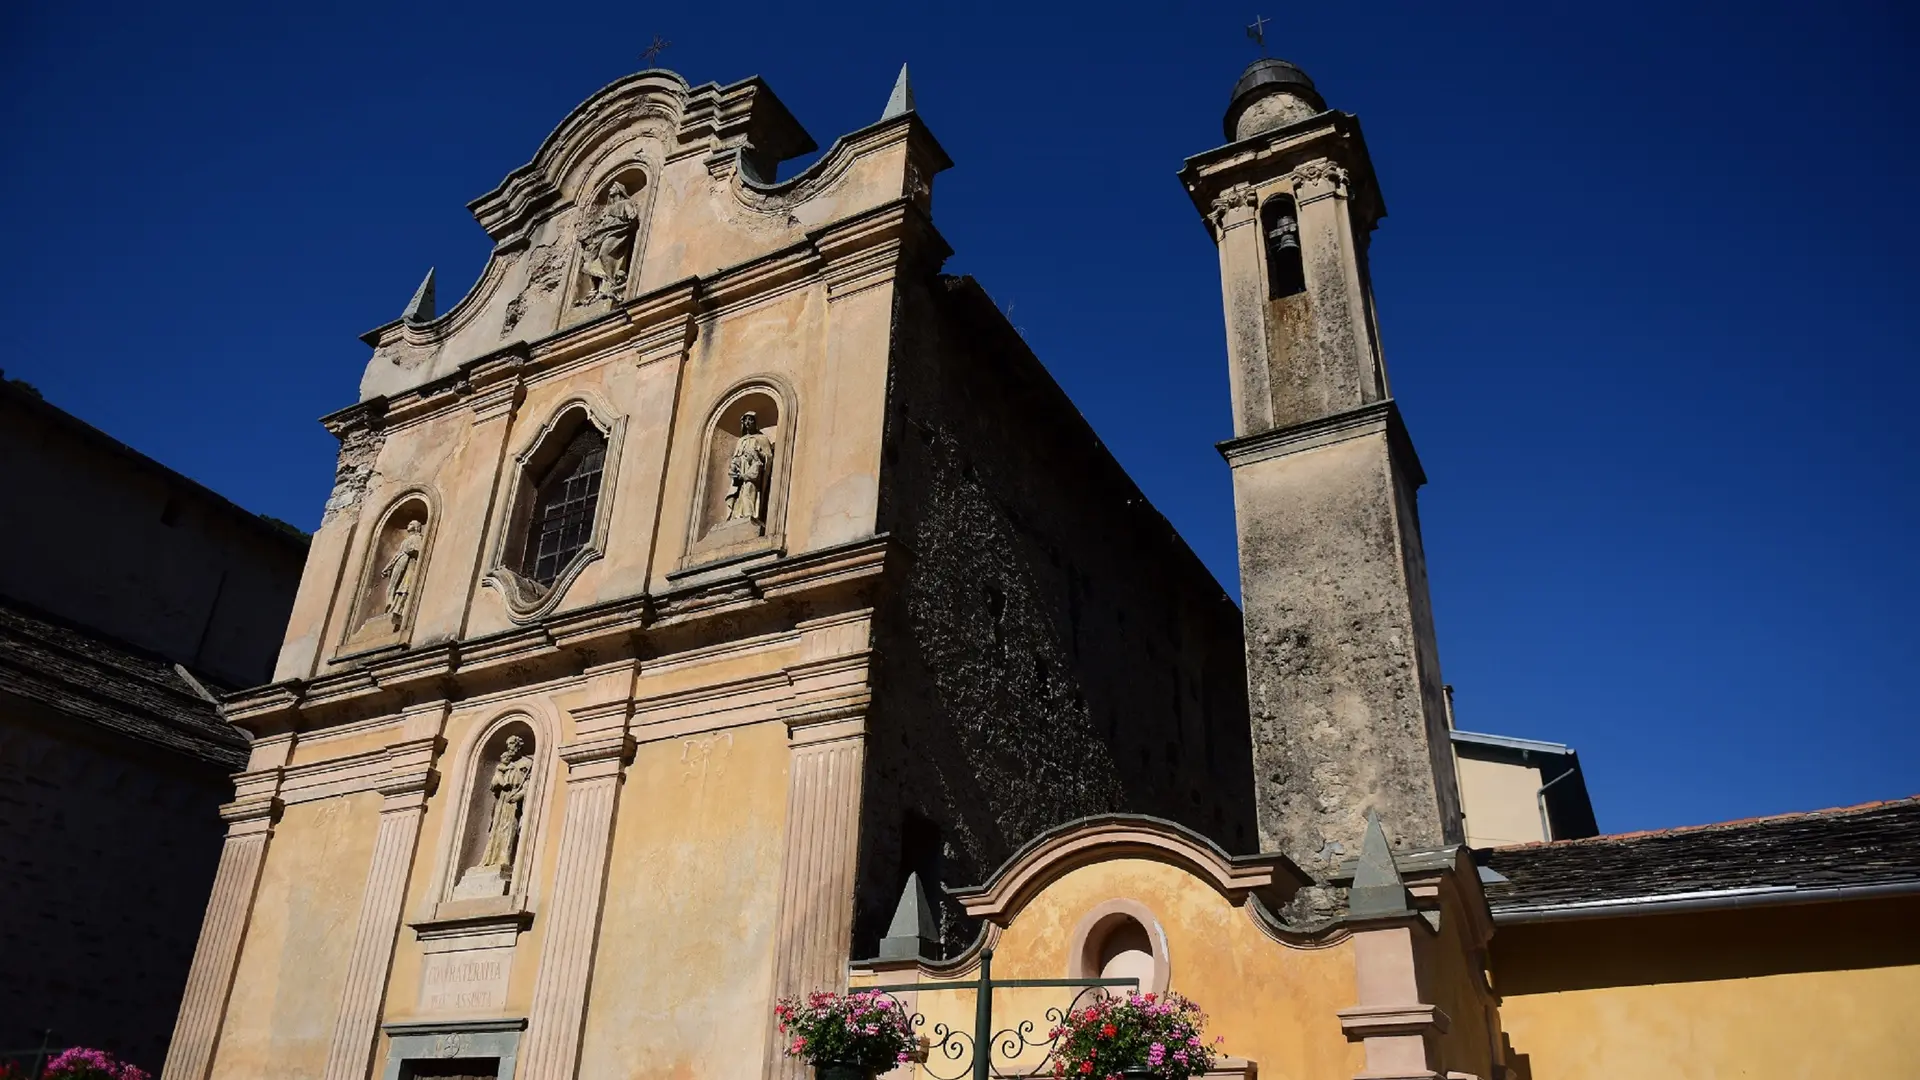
[
  {"x": 1155, "y": 1033},
  {"x": 80, "y": 1063},
  {"x": 865, "y": 1028}
]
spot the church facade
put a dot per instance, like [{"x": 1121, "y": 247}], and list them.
[{"x": 718, "y": 603}]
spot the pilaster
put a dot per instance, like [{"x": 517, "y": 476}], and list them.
[
  {"x": 826, "y": 732},
  {"x": 1235, "y": 220},
  {"x": 410, "y": 779},
  {"x": 1397, "y": 1028},
  {"x": 596, "y": 761},
  {"x": 250, "y": 819}
]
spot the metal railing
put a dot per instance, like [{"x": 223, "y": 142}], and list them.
[{"x": 977, "y": 1047}]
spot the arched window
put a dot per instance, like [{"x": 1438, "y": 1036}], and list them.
[
  {"x": 1280, "y": 226},
  {"x": 556, "y": 517},
  {"x": 565, "y": 498}
]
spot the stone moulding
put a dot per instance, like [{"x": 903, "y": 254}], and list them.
[
  {"x": 1369, "y": 419},
  {"x": 458, "y": 669},
  {"x": 1271, "y": 877},
  {"x": 525, "y": 600},
  {"x": 433, "y": 1040},
  {"x": 1209, "y": 176}
]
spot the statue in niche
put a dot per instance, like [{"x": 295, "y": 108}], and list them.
[
  {"x": 748, "y": 471},
  {"x": 490, "y": 876},
  {"x": 606, "y": 245},
  {"x": 401, "y": 570}
]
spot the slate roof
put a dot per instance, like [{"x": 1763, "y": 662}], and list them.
[
  {"x": 1873, "y": 844},
  {"x": 96, "y": 680}
]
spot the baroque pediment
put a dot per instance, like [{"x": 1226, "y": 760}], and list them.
[{"x": 647, "y": 184}]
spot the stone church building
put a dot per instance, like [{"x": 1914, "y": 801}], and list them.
[{"x": 720, "y": 603}]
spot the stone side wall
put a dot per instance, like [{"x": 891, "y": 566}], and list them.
[
  {"x": 1051, "y": 648},
  {"x": 109, "y": 852},
  {"x": 160, "y": 562}
]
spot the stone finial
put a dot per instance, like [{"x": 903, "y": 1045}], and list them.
[
  {"x": 913, "y": 931},
  {"x": 420, "y": 308},
  {"x": 901, "y": 101},
  {"x": 1377, "y": 887}
]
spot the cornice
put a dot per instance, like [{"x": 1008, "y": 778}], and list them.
[
  {"x": 1370, "y": 419},
  {"x": 611, "y": 631},
  {"x": 1271, "y": 877},
  {"x": 1273, "y": 155}
]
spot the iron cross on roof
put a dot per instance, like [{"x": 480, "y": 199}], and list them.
[
  {"x": 652, "y": 52},
  {"x": 1257, "y": 30}
]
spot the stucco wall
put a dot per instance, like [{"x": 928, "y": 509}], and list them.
[
  {"x": 1272, "y": 1003},
  {"x": 683, "y": 981},
  {"x": 1775, "y": 994},
  {"x": 286, "y": 991},
  {"x": 1500, "y": 802},
  {"x": 1051, "y": 648}
]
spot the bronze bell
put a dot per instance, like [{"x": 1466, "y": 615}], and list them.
[{"x": 1285, "y": 235}]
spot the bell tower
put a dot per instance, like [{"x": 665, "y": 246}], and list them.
[{"x": 1343, "y": 674}]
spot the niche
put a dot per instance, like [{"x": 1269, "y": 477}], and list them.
[
  {"x": 1120, "y": 939},
  {"x": 1280, "y": 228},
  {"x": 503, "y": 781},
  {"x": 395, "y": 566},
  {"x": 740, "y": 504},
  {"x": 609, "y": 241}
]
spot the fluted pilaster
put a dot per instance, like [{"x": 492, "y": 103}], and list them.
[
  {"x": 203, "y": 1008},
  {"x": 595, "y": 762},
  {"x": 566, "y": 962},
  {"x": 410, "y": 780},
  {"x": 815, "y": 929}
]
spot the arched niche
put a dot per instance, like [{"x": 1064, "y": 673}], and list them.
[
  {"x": 1280, "y": 238},
  {"x": 1120, "y": 939},
  {"x": 609, "y": 238},
  {"x": 393, "y": 567},
  {"x": 740, "y": 498},
  {"x": 557, "y": 508},
  {"x": 497, "y": 816}
]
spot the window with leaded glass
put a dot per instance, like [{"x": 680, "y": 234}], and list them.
[{"x": 564, "y": 500}]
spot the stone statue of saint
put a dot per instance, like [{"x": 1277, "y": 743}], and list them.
[
  {"x": 400, "y": 571},
  {"x": 509, "y": 787},
  {"x": 748, "y": 471},
  {"x": 606, "y": 243}
]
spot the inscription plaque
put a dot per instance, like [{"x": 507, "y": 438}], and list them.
[{"x": 468, "y": 981}]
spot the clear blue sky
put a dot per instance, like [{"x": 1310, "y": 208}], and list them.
[{"x": 1644, "y": 282}]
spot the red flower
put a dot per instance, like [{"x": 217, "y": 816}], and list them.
[
  {"x": 1086, "y": 1066},
  {"x": 1108, "y": 1031}
]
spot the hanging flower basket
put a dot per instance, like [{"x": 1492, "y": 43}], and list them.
[
  {"x": 1137, "y": 1037},
  {"x": 854, "y": 1036}
]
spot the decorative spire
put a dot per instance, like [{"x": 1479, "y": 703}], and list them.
[
  {"x": 1377, "y": 887},
  {"x": 901, "y": 100},
  {"x": 420, "y": 308},
  {"x": 912, "y": 932}
]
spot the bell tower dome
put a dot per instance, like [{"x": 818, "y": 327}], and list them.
[{"x": 1343, "y": 673}]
